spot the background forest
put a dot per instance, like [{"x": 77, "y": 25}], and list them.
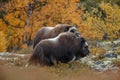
[{"x": 20, "y": 19}]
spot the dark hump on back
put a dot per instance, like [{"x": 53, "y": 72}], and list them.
[
  {"x": 61, "y": 28},
  {"x": 58, "y": 29},
  {"x": 66, "y": 38}
]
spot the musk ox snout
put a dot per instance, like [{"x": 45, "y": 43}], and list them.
[
  {"x": 83, "y": 47},
  {"x": 77, "y": 33}
]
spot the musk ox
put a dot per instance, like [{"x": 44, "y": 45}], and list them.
[
  {"x": 50, "y": 32},
  {"x": 63, "y": 48}
]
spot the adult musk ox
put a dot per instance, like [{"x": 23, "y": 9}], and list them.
[
  {"x": 50, "y": 32},
  {"x": 63, "y": 48}
]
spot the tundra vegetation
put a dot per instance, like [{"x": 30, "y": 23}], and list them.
[{"x": 97, "y": 21}]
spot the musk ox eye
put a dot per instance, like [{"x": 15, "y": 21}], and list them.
[{"x": 86, "y": 47}]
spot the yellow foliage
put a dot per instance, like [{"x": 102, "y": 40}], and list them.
[
  {"x": 55, "y": 12},
  {"x": 96, "y": 50},
  {"x": 3, "y": 26},
  {"x": 112, "y": 25},
  {"x": 52, "y": 12},
  {"x": 97, "y": 26},
  {"x": 58, "y": 11},
  {"x": 3, "y": 42},
  {"x": 16, "y": 19},
  {"x": 15, "y": 41}
]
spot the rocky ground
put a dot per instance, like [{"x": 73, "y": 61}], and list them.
[{"x": 107, "y": 61}]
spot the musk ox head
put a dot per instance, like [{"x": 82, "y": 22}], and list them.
[
  {"x": 66, "y": 28},
  {"x": 84, "y": 50},
  {"x": 74, "y": 30}
]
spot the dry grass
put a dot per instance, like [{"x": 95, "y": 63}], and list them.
[
  {"x": 117, "y": 63},
  {"x": 118, "y": 50},
  {"x": 96, "y": 50},
  {"x": 71, "y": 71},
  {"x": 27, "y": 50}
]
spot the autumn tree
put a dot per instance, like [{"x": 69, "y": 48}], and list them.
[
  {"x": 55, "y": 12},
  {"x": 98, "y": 26},
  {"x": 3, "y": 42},
  {"x": 21, "y": 19},
  {"x": 14, "y": 18}
]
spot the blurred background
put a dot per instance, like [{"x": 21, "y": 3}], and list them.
[{"x": 21, "y": 19}]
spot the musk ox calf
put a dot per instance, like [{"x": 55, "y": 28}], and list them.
[
  {"x": 50, "y": 32},
  {"x": 63, "y": 48}
]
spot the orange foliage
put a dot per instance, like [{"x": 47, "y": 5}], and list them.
[
  {"x": 3, "y": 42},
  {"x": 53, "y": 12},
  {"x": 50, "y": 13},
  {"x": 96, "y": 26},
  {"x": 58, "y": 11}
]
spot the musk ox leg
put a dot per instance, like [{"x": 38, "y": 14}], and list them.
[
  {"x": 47, "y": 61},
  {"x": 53, "y": 60},
  {"x": 73, "y": 59},
  {"x": 33, "y": 59}
]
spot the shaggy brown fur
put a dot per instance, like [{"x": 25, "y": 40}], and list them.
[
  {"x": 50, "y": 32},
  {"x": 63, "y": 48}
]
